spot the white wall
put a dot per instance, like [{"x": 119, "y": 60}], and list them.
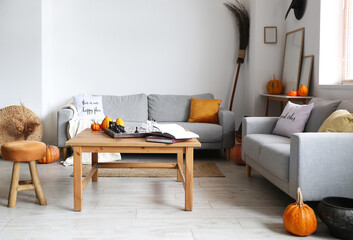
[
  {"x": 264, "y": 59},
  {"x": 20, "y": 54},
  {"x": 128, "y": 47}
]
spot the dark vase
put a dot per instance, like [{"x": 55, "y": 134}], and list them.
[{"x": 337, "y": 214}]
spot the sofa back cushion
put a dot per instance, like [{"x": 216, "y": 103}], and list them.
[
  {"x": 322, "y": 109},
  {"x": 346, "y": 104},
  {"x": 131, "y": 108},
  {"x": 174, "y": 108}
]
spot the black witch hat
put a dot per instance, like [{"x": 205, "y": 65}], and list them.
[{"x": 299, "y": 8}]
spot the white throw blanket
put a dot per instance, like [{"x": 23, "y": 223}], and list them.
[{"x": 77, "y": 125}]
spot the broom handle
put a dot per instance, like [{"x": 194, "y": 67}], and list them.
[{"x": 234, "y": 87}]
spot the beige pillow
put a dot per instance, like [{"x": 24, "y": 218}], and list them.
[{"x": 338, "y": 121}]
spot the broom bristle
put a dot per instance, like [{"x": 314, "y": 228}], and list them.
[{"x": 243, "y": 22}]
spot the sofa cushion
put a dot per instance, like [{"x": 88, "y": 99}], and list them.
[
  {"x": 208, "y": 132},
  {"x": 322, "y": 109},
  {"x": 346, "y": 104},
  {"x": 253, "y": 143},
  {"x": 176, "y": 108},
  {"x": 275, "y": 159},
  {"x": 128, "y": 108}
]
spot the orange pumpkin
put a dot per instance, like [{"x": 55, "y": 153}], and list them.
[
  {"x": 274, "y": 86},
  {"x": 303, "y": 91},
  {"x": 299, "y": 218},
  {"x": 52, "y": 154},
  {"x": 236, "y": 155},
  {"x": 105, "y": 123},
  {"x": 293, "y": 93},
  {"x": 95, "y": 126}
]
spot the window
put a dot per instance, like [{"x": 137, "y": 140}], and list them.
[{"x": 347, "y": 44}]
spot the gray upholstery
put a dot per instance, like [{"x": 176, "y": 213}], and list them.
[
  {"x": 346, "y": 104},
  {"x": 322, "y": 109},
  {"x": 136, "y": 109},
  {"x": 208, "y": 132},
  {"x": 128, "y": 108},
  {"x": 321, "y": 164},
  {"x": 254, "y": 143},
  {"x": 275, "y": 158},
  {"x": 63, "y": 117},
  {"x": 164, "y": 108}
]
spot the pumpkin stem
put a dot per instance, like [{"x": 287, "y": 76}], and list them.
[
  {"x": 274, "y": 77},
  {"x": 300, "y": 198}
]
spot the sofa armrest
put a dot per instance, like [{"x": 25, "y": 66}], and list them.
[
  {"x": 227, "y": 121},
  {"x": 321, "y": 164},
  {"x": 63, "y": 117},
  {"x": 258, "y": 125}
]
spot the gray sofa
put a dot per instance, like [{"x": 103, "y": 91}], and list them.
[
  {"x": 321, "y": 164},
  {"x": 137, "y": 109}
]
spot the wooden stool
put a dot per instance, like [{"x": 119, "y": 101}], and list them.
[{"x": 24, "y": 151}]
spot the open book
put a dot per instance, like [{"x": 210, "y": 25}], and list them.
[{"x": 172, "y": 131}]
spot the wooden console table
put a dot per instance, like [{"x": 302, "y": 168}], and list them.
[
  {"x": 97, "y": 141},
  {"x": 284, "y": 98}
]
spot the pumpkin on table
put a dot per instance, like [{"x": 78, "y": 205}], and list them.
[
  {"x": 52, "y": 154},
  {"x": 303, "y": 91},
  {"x": 274, "y": 86},
  {"x": 95, "y": 126},
  {"x": 299, "y": 218},
  {"x": 105, "y": 123}
]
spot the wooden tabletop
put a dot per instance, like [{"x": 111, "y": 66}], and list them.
[
  {"x": 99, "y": 138},
  {"x": 285, "y": 96}
]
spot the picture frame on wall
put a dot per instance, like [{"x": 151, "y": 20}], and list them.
[{"x": 270, "y": 35}]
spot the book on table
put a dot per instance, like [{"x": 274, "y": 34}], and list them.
[
  {"x": 172, "y": 131},
  {"x": 159, "y": 139}
]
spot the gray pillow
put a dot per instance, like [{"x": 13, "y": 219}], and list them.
[
  {"x": 322, "y": 109},
  {"x": 130, "y": 108},
  {"x": 293, "y": 119},
  {"x": 347, "y": 105},
  {"x": 172, "y": 108}
]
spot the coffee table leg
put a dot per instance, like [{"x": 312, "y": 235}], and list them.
[
  {"x": 95, "y": 161},
  {"x": 77, "y": 179},
  {"x": 189, "y": 174},
  {"x": 180, "y": 160}
]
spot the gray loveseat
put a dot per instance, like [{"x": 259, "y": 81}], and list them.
[
  {"x": 137, "y": 109},
  {"x": 321, "y": 164}
]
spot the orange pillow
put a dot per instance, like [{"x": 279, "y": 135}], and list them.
[{"x": 204, "y": 110}]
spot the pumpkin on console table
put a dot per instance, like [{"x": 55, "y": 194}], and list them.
[{"x": 274, "y": 86}]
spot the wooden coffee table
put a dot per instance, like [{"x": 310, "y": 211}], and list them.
[{"x": 98, "y": 141}]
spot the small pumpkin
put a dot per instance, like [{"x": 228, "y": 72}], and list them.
[
  {"x": 120, "y": 122},
  {"x": 303, "y": 91},
  {"x": 105, "y": 123},
  {"x": 52, "y": 154},
  {"x": 236, "y": 154},
  {"x": 95, "y": 126},
  {"x": 293, "y": 93},
  {"x": 299, "y": 218},
  {"x": 274, "y": 86}
]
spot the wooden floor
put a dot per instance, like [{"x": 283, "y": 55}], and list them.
[{"x": 234, "y": 207}]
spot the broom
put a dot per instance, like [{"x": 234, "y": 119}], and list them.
[{"x": 243, "y": 22}]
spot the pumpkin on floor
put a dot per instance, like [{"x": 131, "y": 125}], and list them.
[
  {"x": 299, "y": 218},
  {"x": 52, "y": 154},
  {"x": 236, "y": 155}
]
